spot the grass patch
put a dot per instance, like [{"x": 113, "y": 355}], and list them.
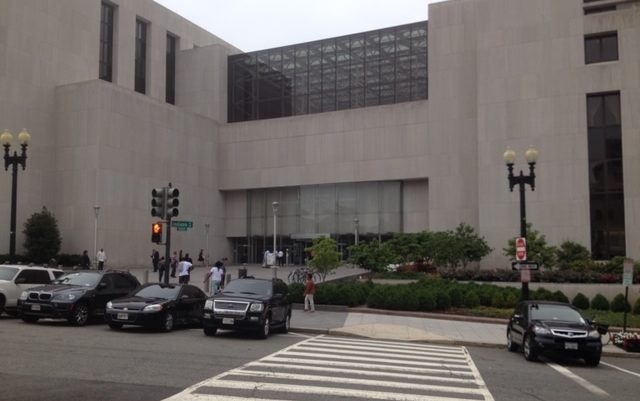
[{"x": 612, "y": 318}]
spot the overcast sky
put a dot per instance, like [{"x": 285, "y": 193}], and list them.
[{"x": 261, "y": 24}]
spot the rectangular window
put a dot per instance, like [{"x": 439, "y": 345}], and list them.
[
  {"x": 106, "y": 42},
  {"x": 141, "y": 57},
  {"x": 606, "y": 184},
  {"x": 171, "y": 69},
  {"x": 600, "y": 47}
]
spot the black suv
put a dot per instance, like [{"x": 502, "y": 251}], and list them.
[
  {"x": 249, "y": 304},
  {"x": 75, "y": 296},
  {"x": 546, "y": 326}
]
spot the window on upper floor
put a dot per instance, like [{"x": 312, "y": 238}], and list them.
[
  {"x": 170, "y": 95},
  {"x": 107, "y": 14},
  {"x": 600, "y": 47},
  {"x": 141, "y": 57}
]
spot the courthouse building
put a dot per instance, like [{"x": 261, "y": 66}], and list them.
[{"x": 399, "y": 129}]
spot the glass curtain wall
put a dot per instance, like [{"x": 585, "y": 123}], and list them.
[
  {"x": 365, "y": 69},
  {"x": 308, "y": 212}
]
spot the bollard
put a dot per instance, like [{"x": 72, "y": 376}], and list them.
[{"x": 145, "y": 277}]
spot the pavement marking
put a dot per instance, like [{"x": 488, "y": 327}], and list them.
[
  {"x": 328, "y": 367},
  {"x": 620, "y": 369},
  {"x": 292, "y": 334},
  {"x": 584, "y": 383}
]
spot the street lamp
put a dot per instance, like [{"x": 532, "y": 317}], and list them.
[
  {"x": 355, "y": 223},
  {"x": 521, "y": 180},
  {"x": 274, "y": 206},
  {"x": 14, "y": 160},
  {"x": 96, "y": 210}
]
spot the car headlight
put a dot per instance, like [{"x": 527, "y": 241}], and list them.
[
  {"x": 109, "y": 305},
  {"x": 256, "y": 308},
  {"x": 208, "y": 304},
  {"x": 594, "y": 333},
  {"x": 24, "y": 295},
  {"x": 541, "y": 330},
  {"x": 152, "y": 308},
  {"x": 64, "y": 297}
]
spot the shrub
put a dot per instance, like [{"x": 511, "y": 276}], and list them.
[
  {"x": 559, "y": 296},
  {"x": 636, "y": 307},
  {"x": 619, "y": 304},
  {"x": 511, "y": 300},
  {"x": 455, "y": 295},
  {"x": 296, "y": 292},
  {"x": 443, "y": 302},
  {"x": 497, "y": 300},
  {"x": 580, "y": 301},
  {"x": 599, "y": 302},
  {"x": 377, "y": 297},
  {"x": 42, "y": 237},
  {"x": 570, "y": 252},
  {"x": 471, "y": 299},
  {"x": 66, "y": 259},
  {"x": 542, "y": 294},
  {"x": 426, "y": 300}
]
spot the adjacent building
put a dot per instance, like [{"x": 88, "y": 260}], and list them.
[{"x": 400, "y": 129}]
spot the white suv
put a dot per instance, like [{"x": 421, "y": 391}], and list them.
[{"x": 16, "y": 278}]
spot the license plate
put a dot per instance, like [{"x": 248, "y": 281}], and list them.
[
  {"x": 35, "y": 307},
  {"x": 122, "y": 316},
  {"x": 227, "y": 320},
  {"x": 571, "y": 346}
]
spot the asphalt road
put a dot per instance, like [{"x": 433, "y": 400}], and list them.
[{"x": 53, "y": 361}]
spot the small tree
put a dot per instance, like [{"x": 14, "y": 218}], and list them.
[
  {"x": 570, "y": 252},
  {"x": 370, "y": 255},
  {"x": 42, "y": 237},
  {"x": 537, "y": 248},
  {"x": 325, "y": 256},
  {"x": 472, "y": 247}
]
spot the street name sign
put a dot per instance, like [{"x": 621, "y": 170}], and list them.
[{"x": 182, "y": 225}]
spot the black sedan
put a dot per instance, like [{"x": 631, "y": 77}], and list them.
[
  {"x": 248, "y": 304},
  {"x": 158, "y": 305},
  {"x": 545, "y": 326}
]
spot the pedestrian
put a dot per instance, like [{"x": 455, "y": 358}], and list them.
[
  {"x": 224, "y": 272},
  {"x": 280, "y": 256},
  {"x": 85, "y": 262},
  {"x": 309, "y": 290},
  {"x": 265, "y": 259},
  {"x": 101, "y": 257},
  {"x": 180, "y": 258},
  {"x": 215, "y": 274},
  {"x": 188, "y": 258},
  {"x": 162, "y": 269},
  {"x": 174, "y": 263},
  {"x": 201, "y": 257},
  {"x": 155, "y": 258},
  {"x": 184, "y": 273}
]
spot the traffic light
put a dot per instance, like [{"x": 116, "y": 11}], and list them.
[
  {"x": 172, "y": 202},
  {"x": 156, "y": 233},
  {"x": 158, "y": 202}
]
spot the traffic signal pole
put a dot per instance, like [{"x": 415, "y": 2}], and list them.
[
  {"x": 167, "y": 252},
  {"x": 164, "y": 204}
]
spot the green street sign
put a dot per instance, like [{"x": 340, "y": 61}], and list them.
[{"x": 182, "y": 225}]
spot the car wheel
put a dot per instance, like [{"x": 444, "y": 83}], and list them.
[
  {"x": 287, "y": 323},
  {"x": 592, "y": 360},
  {"x": 210, "y": 331},
  {"x": 511, "y": 346},
  {"x": 266, "y": 328},
  {"x": 2, "y": 303},
  {"x": 115, "y": 325},
  {"x": 29, "y": 319},
  {"x": 167, "y": 322},
  {"x": 80, "y": 314},
  {"x": 530, "y": 353}
]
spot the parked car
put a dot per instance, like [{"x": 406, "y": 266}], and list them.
[
  {"x": 158, "y": 305},
  {"x": 75, "y": 296},
  {"x": 16, "y": 278},
  {"x": 249, "y": 304},
  {"x": 546, "y": 326}
]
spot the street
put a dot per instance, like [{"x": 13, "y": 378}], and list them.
[{"x": 54, "y": 361}]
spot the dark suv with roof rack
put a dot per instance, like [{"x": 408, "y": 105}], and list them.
[{"x": 75, "y": 296}]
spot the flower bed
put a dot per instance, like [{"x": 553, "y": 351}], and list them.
[{"x": 630, "y": 342}]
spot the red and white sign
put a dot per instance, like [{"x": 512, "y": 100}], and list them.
[{"x": 521, "y": 249}]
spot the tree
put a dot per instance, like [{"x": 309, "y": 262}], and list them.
[
  {"x": 42, "y": 237},
  {"x": 370, "y": 255},
  {"x": 472, "y": 247},
  {"x": 537, "y": 248},
  {"x": 570, "y": 252},
  {"x": 325, "y": 256}
]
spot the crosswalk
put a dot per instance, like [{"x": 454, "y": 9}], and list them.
[{"x": 338, "y": 368}]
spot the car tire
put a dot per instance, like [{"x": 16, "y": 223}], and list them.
[
  {"x": 210, "y": 331},
  {"x": 29, "y": 319},
  {"x": 286, "y": 325},
  {"x": 266, "y": 328},
  {"x": 115, "y": 326},
  {"x": 2, "y": 303},
  {"x": 530, "y": 353},
  {"x": 511, "y": 346},
  {"x": 80, "y": 314},
  {"x": 592, "y": 360},
  {"x": 168, "y": 321}
]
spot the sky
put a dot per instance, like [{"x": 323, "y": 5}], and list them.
[{"x": 262, "y": 24}]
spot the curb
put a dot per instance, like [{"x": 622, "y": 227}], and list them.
[{"x": 431, "y": 315}]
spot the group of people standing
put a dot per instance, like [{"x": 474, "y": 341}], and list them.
[
  {"x": 182, "y": 264},
  {"x": 101, "y": 259}
]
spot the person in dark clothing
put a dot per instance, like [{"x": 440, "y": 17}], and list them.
[
  {"x": 155, "y": 258},
  {"x": 162, "y": 268},
  {"x": 201, "y": 257},
  {"x": 85, "y": 262},
  {"x": 174, "y": 263}
]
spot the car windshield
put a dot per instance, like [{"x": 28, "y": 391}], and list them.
[
  {"x": 158, "y": 291},
  {"x": 555, "y": 312},
  {"x": 7, "y": 273},
  {"x": 84, "y": 279},
  {"x": 248, "y": 286}
]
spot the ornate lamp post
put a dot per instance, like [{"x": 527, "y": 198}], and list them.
[
  {"x": 14, "y": 160},
  {"x": 274, "y": 206},
  {"x": 521, "y": 181}
]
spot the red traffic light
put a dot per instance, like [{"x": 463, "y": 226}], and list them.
[{"x": 156, "y": 233}]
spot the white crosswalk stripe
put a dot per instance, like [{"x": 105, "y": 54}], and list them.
[{"x": 327, "y": 368}]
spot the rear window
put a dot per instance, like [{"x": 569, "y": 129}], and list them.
[
  {"x": 158, "y": 291},
  {"x": 7, "y": 273},
  {"x": 248, "y": 286}
]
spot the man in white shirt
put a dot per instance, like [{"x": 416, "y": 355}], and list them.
[
  {"x": 101, "y": 256},
  {"x": 185, "y": 270}
]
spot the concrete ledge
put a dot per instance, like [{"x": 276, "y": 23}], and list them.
[
  {"x": 325, "y": 308},
  {"x": 430, "y": 315}
]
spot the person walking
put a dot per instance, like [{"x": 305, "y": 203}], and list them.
[
  {"x": 101, "y": 257},
  {"x": 280, "y": 257},
  {"x": 174, "y": 263},
  {"x": 85, "y": 262},
  {"x": 201, "y": 257},
  {"x": 162, "y": 269},
  {"x": 223, "y": 275},
  {"x": 215, "y": 274},
  {"x": 309, "y": 291},
  {"x": 155, "y": 258},
  {"x": 184, "y": 273}
]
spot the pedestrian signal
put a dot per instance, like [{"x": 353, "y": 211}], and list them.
[{"x": 156, "y": 233}]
